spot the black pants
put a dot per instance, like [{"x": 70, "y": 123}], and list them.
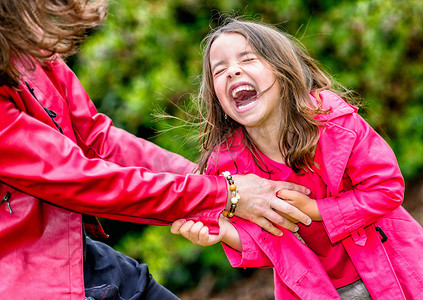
[{"x": 110, "y": 275}]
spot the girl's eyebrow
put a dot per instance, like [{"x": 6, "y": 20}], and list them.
[
  {"x": 221, "y": 62},
  {"x": 243, "y": 53}
]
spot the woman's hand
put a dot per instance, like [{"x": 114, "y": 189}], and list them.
[
  {"x": 302, "y": 202},
  {"x": 259, "y": 203}
]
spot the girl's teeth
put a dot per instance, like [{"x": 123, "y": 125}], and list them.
[
  {"x": 241, "y": 88},
  {"x": 246, "y": 105}
]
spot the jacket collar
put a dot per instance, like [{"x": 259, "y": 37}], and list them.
[
  {"x": 335, "y": 142},
  {"x": 332, "y": 153},
  {"x": 334, "y": 146},
  {"x": 335, "y": 104}
]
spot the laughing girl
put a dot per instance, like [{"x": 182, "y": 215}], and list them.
[{"x": 272, "y": 112}]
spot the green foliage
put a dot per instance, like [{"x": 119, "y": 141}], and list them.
[
  {"x": 148, "y": 55},
  {"x": 138, "y": 61},
  {"x": 375, "y": 47},
  {"x": 174, "y": 261}
]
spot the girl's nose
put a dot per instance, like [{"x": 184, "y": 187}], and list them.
[{"x": 234, "y": 70}]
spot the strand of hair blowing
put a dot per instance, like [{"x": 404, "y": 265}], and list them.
[{"x": 39, "y": 29}]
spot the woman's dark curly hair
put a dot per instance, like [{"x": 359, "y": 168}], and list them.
[{"x": 38, "y": 29}]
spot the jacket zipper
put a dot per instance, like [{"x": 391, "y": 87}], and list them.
[{"x": 6, "y": 199}]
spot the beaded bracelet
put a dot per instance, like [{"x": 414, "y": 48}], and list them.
[{"x": 235, "y": 195}]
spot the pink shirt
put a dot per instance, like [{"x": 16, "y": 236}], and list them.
[{"x": 333, "y": 257}]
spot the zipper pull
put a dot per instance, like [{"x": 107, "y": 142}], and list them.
[{"x": 6, "y": 199}]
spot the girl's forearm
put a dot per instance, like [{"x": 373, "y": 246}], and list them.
[{"x": 231, "y": 238}]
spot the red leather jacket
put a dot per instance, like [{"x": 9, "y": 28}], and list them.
[{"x": 48, "y": 179}]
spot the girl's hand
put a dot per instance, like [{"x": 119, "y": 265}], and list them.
[
  {"x": 302, "y": 202},
  {"x": 260, "y": 205},
  {"x": 196, "y": 232},
  {"x": 199, "y": 234}
]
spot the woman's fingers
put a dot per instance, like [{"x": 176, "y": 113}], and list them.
[
  {"x": 259, "y": 203},
  {"x": 290, "y": 186},
  {"x": 278, "y": 218},
  {"x": 291, "y": 213}
]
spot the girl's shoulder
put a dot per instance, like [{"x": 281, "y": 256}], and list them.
[
  {"x": 232, "y": 155},
  {"x": 233, "y": 143},
  {"x": 334, "y": 104}
]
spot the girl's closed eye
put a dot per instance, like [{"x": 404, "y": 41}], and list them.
[
  {"x": 248, "y": 59},
  {"x": 218, "y": 72}
]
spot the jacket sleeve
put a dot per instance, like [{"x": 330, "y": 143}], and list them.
[
  {"x": 98, "y": 137},
  {"x": 372, "y": 185},
  {"x": 251, "y": 256},
  {"x": 38, "y": 160}
]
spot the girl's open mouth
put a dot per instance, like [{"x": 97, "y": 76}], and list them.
[{"x": 244, "y": 96}]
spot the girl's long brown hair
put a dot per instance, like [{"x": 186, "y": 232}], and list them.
[
  {"x": 297, "y": 74},
  {"x": 38, "y": 29}
]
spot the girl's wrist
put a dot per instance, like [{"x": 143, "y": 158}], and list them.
[{"x": 230, "y": 235}]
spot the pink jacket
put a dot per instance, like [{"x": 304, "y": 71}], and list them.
[
  {"x": 49, "y": 179},
  {"x": 365, "y": 191}
]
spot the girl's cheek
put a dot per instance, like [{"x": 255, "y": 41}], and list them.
[{"x": 217, "y": 88}]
